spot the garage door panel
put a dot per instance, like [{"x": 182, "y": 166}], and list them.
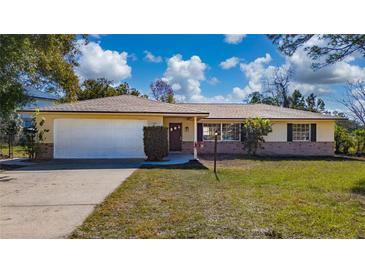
[{"x": 98, "y": 138}]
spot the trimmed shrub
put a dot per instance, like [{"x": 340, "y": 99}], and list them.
[
  {"x": 155, "y": 142},
  {"x": 253, "y": 132}
]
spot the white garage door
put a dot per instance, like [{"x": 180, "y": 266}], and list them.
[{"x": 98, "y": 138}]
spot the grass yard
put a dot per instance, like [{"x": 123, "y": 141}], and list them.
[
  {"x": 250, "y": 198},
  {"x": 18, "y": 151}
]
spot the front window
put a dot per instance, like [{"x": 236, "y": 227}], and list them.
[
  {"x": 231, "y": 132},
  {"x": 301, "y": 132},
  {"x": 226, "y": 132},
  {"x": 209, "y": 130}
]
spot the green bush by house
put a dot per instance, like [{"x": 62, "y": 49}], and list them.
[
  {"x": 350, "y": 142},
  {"x": 155, "y": 142}
]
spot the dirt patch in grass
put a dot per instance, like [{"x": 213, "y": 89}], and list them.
[
  {"x": 228, "y": 161},
  {"x": 308, "y": 198}
]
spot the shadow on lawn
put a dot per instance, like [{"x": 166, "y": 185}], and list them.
[
  {"x": 194, "y": 164},
  {"x": 359, "y": 188}
]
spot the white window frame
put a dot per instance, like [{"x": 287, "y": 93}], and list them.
[
  {"x": 220, "y": 137},
  {"x": 309, "y": 133},
  {"x": 239, "y": 132}
]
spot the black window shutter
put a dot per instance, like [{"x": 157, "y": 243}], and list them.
[
  {"x": 243, "y": 133},
  {"x": 200, "y": 132},
  {"x": 290, "y": 133},
  {"x": 313, "y": 132}
]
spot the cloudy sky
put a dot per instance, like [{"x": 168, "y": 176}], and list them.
[{"x": 209, "y": 68}]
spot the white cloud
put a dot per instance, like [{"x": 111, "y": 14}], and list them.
[
  {"x": 152, "y": 58},
  {"x": 229, "y": 63},
  {"x": 234, "y": 38},
  {"x": 97, "y": 63},
  {"x": 132, "y": 56},
  {"x": 185, "y": 76},
  {"x": 306, "y": 89},
  {"x": 256, "y": 71},
  {"x": 304, "y": 78},
  {"x": 238, "y": 94},
  {"x": 203, "y": 99},
  {"x": 213, "y": 81},
  {"x": 337, "y": 73}
]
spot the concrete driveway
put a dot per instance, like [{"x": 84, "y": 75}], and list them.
[{"x": 49, "y": 200}]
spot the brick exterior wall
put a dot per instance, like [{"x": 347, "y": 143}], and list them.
[
  {"x": 45, "y": 152},
  {"x": 298, "y": 148},
  {"x": 225, "y": 147},
  {"x": 269, "y": 148},
  {"x": 187, "y": 147},
  {"x": 234, "y": 147}
]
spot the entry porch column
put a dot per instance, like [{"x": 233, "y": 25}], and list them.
[{"x": 195, "y": 139}]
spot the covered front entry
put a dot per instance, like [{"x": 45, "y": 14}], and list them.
[
  {"x": 182, "y": 133},
  {"x": 98, "y": 138},
  {"x": 175, "y": 136}
]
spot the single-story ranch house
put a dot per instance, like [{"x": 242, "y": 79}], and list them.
[{"x": 112, "y": 127}]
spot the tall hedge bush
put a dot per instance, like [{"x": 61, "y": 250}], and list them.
[
  {"x": 155, "y": 142},
  {"x": 253, "y": 131}
]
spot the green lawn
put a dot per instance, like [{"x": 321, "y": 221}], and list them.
[
  {"x": 258, "y": 198},
  {"x": 18, "y": 151}
]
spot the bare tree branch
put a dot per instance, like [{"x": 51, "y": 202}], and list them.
[{"x": 355, "y": 100}]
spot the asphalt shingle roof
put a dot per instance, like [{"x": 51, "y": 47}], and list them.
[
  {"x": 242, "y": 111},
  {"x": 134, "y": 104},
  {"x": 122, "y": 104}
]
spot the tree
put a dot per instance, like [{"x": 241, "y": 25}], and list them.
[
  {"x": 33, "y": 136},
  {"x": 343, "y": 140},
  {"x": 254, "y": 130},
  {"x": 9, "y": 129},
  {"x": 255, "y": 98},
  {"x": 346, "y": 123},
  {"x": 355, "y": 100},
  {"x": 258, "y": 98},
  {"x": 314, "y": 104},
  {"x": 92, "y": 89},
  {"x": 349, "y": 135},
  {"x": 297, "y": 100},
  {"x": 100, "y": 88},
  {"x": 162, "y": 91},
  {"x": 277, "y": 87},
  {"x": 43, "y": 61},
  {"x": 359, "y": 138},
  {"x": 330, "y": 47}
]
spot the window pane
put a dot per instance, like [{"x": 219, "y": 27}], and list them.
[
  {"x": 209, "y": 130},
  {"x": 301, "y": 132},
  {"x": 231, "y": 132}
]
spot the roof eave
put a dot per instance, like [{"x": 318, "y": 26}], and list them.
[
  {"x": 273, "y": 118},
  {"x": 202, "y": 114}
]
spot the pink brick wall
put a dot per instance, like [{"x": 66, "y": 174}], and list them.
[
  {"x": 299, "y": 148},
  {"x": 45, "y": 152},
  {"x": 187, "y": 147},
  {"x": 270, "y": 148},
  {"x": 232, "y": 147}
]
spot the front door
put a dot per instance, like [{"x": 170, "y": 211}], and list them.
[{"x": 175, "y": 136}]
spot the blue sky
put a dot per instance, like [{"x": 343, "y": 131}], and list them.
[{"x": 209, "y": 68}]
